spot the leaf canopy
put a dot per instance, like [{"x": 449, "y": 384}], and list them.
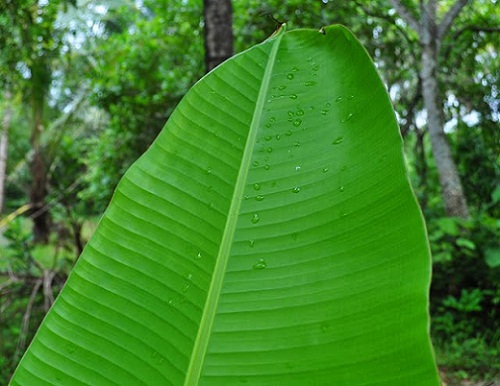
[{"x": 269, "y": 236}]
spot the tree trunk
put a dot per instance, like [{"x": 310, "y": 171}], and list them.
[
  {"x": 218, "y": 32},
  {"x": 38, "y": 191},
  {"x": 4, "y": 141},
  {"x": 431, "y": 34},
  {"x": 455, "y": 202}
]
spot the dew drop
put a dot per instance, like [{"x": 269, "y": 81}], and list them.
[
  {"x": 338, "y": 140},
  {"x": 269, "y": 149},
  {"x": 251, "y": 243},
  {"x": 278, "y": 137},
  {"x": 350, "y": 97},
  {"x": 288, "y": 133},
  {"x": 325, "y": 170},
  {"x": 324, "y": 112},
  {"x": 208, "y": 170},
  {"x": 267, "y": 167},
  {"x": 198, "y": 256},
  {"x": 328, "y": 104},
  {"x": 272, "y": 120},
  {"x": 339, "y": 99},
  {"x": 295, "y": 69},
  {"x": 185, "y": 288},
  {"x": 293, "y": 96},
  {"x": 296, "y": 144},
  {"x": 260, "y": 197},
  {"x": 297, "y": 168},
  {"x": 255, "y": 163},
  {"x": 300, "y": 112},
  {"x": 297, "y": 122},
  {"x": 256, "y": 186},
  {"x": 341, "y": 188},
  {"x": 310, "y": 83},
  {"x": 260, "y": 265},
  {"x": 291, "y": 114},
  {"x": 348, "y": 118},
  {"x": 296, "y": 189},
  {"x": 268, "y": 137},
  {"x": 290, "y": 76},
  {"x": 281, "y": 87},
  {"x": 268, "y": 125},
  {"x": 255, "y": 218},
  {"x": 316, "y": 67}
]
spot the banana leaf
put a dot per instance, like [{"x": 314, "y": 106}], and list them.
[{"x": 269, "y": 236}]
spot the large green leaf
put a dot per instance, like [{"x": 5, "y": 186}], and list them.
[{"x": 268, "y": 237}]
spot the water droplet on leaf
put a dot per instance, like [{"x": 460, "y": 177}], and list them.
[
  {"x": 337, "y": 141},
  {"x": 260, "y": 265},
  {"x": 348, "y": 118}
]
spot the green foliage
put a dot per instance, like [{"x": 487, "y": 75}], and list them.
[
  {"x": 130, "y": 58},
  {"x": 257, "y": 240},
  {"x": 465, "y": 296},
  {"x": 144, "y": 70}
]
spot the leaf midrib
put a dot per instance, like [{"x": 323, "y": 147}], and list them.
[{"x": 209, "y": 311}]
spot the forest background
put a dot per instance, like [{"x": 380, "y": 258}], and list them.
[{"x": 86, "y": 86}]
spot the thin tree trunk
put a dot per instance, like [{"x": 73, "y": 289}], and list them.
[
  {"x": 454, "y": 199},
  {"x": 218, "y": 16},
  {"x": 38, "y": 191},
  {"x": 431, "y": 34},
  {"x": 4, "y": 141}
]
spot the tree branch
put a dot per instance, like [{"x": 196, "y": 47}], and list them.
[
  {"x": 456, "y": 35},
  {"x": 392, "y": 22},
  {"x": 411, "y": 109},
  {"x": 452, "y": 13},
  {"x": 406, "y": 15}
]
